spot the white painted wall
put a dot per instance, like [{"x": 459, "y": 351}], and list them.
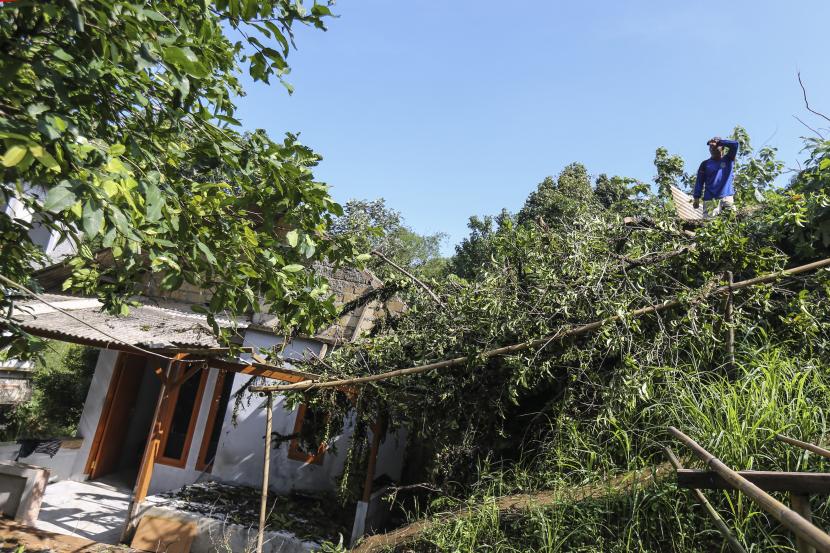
[
  {"x": 93, "y": 406},
  {"x": 239, "y": 458},
  {"x": 60, "y": 465},
  {"x": 46, "y": 238}
]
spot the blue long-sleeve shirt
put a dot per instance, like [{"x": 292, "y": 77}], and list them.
[{"x": 714, "y": 176}]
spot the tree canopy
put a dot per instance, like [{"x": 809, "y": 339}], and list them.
[
  {"x": 118, "y": 131},
  {"x": 573, "y": 255},
  {"x": 374, "y": 226}
]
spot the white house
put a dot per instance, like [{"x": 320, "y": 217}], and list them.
[{"x": 153, "y": 427}]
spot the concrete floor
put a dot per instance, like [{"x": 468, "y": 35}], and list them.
[{"x": 92, "y": 510}]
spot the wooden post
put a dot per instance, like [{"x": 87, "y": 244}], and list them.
[
  {"x": 263, "y": 505},
  {"x": 730, "y": 328},
  {"x": 801, "y": 505},
  {"x": 786, "y": 516},
  {"x": 377, "y": 433},
  {"x": 151, "y": 448},
  {"x": 724, "y": 530}
]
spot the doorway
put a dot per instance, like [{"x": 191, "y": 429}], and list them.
[{"x": 124, "y": 423}]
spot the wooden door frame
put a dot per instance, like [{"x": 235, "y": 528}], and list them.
[
  {"x": 105, "y": 418},
  {"x": 167, "y": 419}
]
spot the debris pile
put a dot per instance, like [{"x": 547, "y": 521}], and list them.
[{"x": 309, "y": 516}]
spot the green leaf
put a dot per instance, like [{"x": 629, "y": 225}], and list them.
[
  {"x": 109, "y": 238},
  {"x": 320, "y": 10},
  {"x": 205, "y": 250},
  {"x": 36, "y": 109},
  {"x": 153, "y": 202},
  {"x": 62, "y": 55},
  {"x": 824, "y": 164},
  {"x": 59, "y": 198},
  {"x": 115, "y": 166},
  {"x": 14, "y": 155},
  {"x": 120, "y": 221},
  {"x": 110, "y": 188},
  {"x": 151, "y": 14},
  {"x": 93, "y": 220},
  {"x": 293, "y": 268},
  {"x": 117, "y": 149},
  {"x": 293, "y": 238},
  {"x": 45, "y": 158},
  {"x": 186, "y": 60}
]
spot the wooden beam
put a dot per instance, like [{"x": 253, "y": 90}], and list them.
[
  {"x": 795, "y": 522},
  {"x": 769, "y": 481},
  {"x": 801, "y": 505},
  {"x": 187, "y": 375},
  {"x": 266, "y": 468},
  {"x": 267, "y": 371}
]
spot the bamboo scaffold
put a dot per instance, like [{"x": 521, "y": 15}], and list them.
[{"x": 807, "y": 534}]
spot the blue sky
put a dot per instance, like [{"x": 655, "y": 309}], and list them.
[{"x": 455, "y": 108}]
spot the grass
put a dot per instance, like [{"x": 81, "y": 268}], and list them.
[{"x": 771, "y": 391}]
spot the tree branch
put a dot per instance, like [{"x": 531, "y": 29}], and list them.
[
  {"x": 580, "y": 330},
  {"x": 409, "y": 275},
  {"x": 806, "y": 103}
]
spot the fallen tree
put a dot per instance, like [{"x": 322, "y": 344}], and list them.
[{"x": 620, "y": 484}]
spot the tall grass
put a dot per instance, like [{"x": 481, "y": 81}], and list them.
[{"x": 734, "y": 417}]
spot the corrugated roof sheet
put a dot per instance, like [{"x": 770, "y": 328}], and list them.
[
  {"x": 346, "y": 283},
  {"x": 146, "y": 326},
  {"x": 683, "y": 206}
]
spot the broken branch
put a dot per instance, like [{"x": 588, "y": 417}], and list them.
[
  {"x": 409, "y": 275},
  {"x": 542, "y": 342}
]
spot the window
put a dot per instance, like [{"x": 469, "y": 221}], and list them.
[
  {"x": 181, "y": 422},
  {"x": 309, "y": 424},
  {"x": 213, "y": 426}
]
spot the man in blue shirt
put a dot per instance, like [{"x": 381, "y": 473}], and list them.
[{"x": 715, "y": 179}]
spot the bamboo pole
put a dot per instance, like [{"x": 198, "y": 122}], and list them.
[
  {"x": 801, "y": 527},
  {"x": 266, "y": 467},
  {"x": 724, "y": 530},
  {"x": 541, "y": 342},
  {"x": 803, "y": 445}
]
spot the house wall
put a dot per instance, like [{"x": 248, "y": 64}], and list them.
[
  {"x": 391, "y": 455},
  {"x": 165, "y": 477},
  {"x": 93, "y": 406},
  {"x": 239, "y": 458}
]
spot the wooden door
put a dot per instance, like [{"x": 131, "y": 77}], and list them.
[{"x": 116, "y": 415}]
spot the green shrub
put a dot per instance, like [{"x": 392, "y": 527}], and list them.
[{"x": 60, "y": 382}]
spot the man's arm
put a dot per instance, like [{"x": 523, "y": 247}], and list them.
[
  {"x": 733, "y": 148},
  {"x": 701, "y": 178}
]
